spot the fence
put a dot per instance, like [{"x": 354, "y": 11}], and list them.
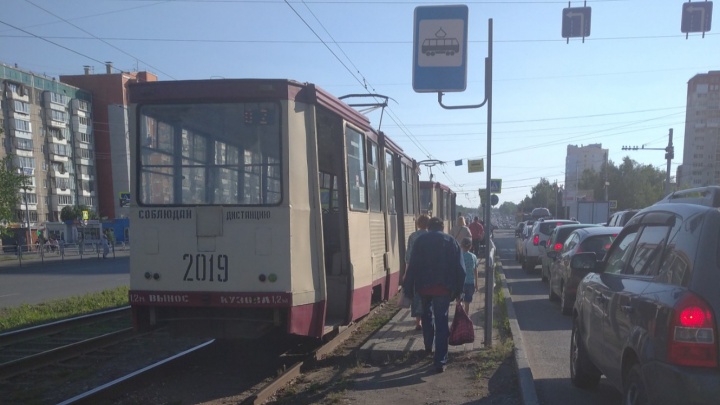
[{"x": 50, "y": 252}]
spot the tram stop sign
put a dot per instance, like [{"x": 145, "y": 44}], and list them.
[{"x": 440, "y": 48}]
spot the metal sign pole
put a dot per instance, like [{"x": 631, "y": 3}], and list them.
[{"x": 489, "y": 271}]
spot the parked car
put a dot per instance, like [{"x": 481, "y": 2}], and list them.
[
  {"x": 555, "y": 243},
  {"x": 563, "y": 279},
  {"x": 621, "y": 218},
  {"x": 520, "y": 240},
  {"x": 539, "y": 235},
  {"x": 647, "y": 315}
]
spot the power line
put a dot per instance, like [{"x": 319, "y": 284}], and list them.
[{"x": 100, "y": 39}]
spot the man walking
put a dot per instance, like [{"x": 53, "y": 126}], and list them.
[{"x": 437, "y": 273}]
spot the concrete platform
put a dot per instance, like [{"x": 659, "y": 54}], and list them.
[{"x": 399, "y": 337}]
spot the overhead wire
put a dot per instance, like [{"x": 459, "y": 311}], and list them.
[{"x": 99, "y": 39}]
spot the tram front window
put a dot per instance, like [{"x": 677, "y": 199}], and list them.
[{"x": 210, "y": 154}]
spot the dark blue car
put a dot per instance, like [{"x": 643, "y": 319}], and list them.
[{"x": 646, "y": 316}]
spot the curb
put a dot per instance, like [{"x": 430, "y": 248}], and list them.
[{"x": 525, "y": 377}]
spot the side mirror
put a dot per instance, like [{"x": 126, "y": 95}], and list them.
[{"x": 583, "y": 263}]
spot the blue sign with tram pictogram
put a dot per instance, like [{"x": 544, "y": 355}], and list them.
[{"x": 440, "y": 48}]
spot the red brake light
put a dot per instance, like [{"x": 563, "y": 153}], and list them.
[
  {"x": 536, "y": 240},
  {"x": 692, "y": 333},
  {"x": 692, "y": 317},
  {"x": 558, "y": 246}
]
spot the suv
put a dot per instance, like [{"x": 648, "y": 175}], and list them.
[
  {"x": 621, "y": 218},
  {"x": 538, "y": 213},
  {"x": 539, "y": 235},
  {"x": 647, "y": 315}
]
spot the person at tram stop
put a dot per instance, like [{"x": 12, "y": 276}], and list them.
[
  {"x": 105, "y": 245},
  {"x": 437, "y": 273},
  {"x": 416, "y": 308},
  {"x": 477, "y": 232},
  {"x": 471, "y": 275},
  {"x": 460, "y": 231}
]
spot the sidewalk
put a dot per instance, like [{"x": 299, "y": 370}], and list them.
[
  {"x": 399, "y": 337},
  {"x": 396, "y": 370}
]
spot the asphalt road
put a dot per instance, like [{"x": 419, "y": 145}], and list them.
[
  {"x": 37, "y": 282},
  {"x": 546, "y": 334}
]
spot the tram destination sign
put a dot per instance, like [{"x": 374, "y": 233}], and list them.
[{"x": 440, "y": 48}]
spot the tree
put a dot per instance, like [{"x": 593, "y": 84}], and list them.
[
  {"x": 543, "y": 195},
  {"x": 633, "y": 185},
  {"x": 11, "y": 181},
  {"x": 508, "y": 208},
  {"x": 72, "y": 213}
]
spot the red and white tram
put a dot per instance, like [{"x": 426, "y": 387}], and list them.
[{"x": 262, "y": 204}]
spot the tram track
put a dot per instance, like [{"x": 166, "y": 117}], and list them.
[
  {"x": 106, "y": 375},
  {"x": 52, "y": 362},
  {"x": 25, "y": 349}
]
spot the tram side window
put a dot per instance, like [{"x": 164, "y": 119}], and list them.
[
  {"x": 390, "y": 183},
  {"x": 356, "y": 170},
  {"x": 328, "y": 192},
  {"x": 408, "y": 190},
  {"x": 373, "y": 177}
]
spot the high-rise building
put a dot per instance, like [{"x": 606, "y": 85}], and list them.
[
  {"x": 112, "y": 133},
  {"x": 48, "y": 128},
  {"x": 701, "y": 148},
  {"x": 577, "y": 160}
]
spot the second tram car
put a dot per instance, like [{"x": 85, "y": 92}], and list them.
[
  {"x": 438, "y": 200},
  {"x": 262, "y": 204}
]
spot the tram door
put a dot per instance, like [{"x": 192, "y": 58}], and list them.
[
  {"x": 394, "y": 211},
  {"x": 330, "y": 165}
]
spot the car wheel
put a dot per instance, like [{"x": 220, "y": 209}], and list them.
[
  {"x": 634, "y": 389},
  {"x": 583, "y": 373},
  {"x": 528, "y": 265},
  {"x": 565, "y": 304}
]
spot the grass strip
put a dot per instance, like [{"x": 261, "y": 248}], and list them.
[{"x": 28, "y": 315}]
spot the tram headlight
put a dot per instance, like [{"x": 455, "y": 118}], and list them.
[
  {"x": 156, "y": 276},
  {"x": 272, "y": 277},
  {"x": 262, "y": 278},
  {"x": 148, "y": 275}
]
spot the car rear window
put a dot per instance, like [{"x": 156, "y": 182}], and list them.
[
  {"x": 548, "y": 226},
  {"x": 597, "y": 244}
]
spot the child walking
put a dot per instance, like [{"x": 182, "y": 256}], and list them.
[{"x": 471, "y": 263}]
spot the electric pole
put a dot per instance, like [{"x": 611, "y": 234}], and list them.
[{"x": 669, "y": 155}]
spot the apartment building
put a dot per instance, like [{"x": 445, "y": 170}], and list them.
[
  {"x": 111, "y": 131},
  {"x": 48, "y": 128},
  {"x": 701, "y": 151}
]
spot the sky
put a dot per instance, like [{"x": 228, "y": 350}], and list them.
[{"x": 624, "y": 85}]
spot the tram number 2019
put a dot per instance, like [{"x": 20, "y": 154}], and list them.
[{"x": 202, "y": 267}]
